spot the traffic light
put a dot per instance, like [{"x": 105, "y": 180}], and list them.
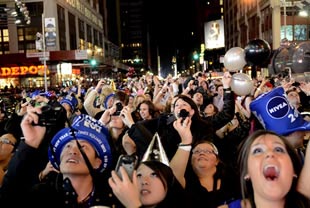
[
  {"x": 195, "y": 56},
  {"x": 93, "y": 62}
]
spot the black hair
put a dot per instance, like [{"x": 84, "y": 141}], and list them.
[{"x": 176, "y": 197}]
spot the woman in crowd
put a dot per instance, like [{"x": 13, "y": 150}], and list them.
[
  {"x": 269, "y": 168},
  {"x": 8, "y": 144},
  {"x": 153, "y": 185},
  {"x": 135, "y": 111},
  {"x": 147, "y": 110},
  {"x": 112, "y": 118},
  {"x": 206, "y": 179}
]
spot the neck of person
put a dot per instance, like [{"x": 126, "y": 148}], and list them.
[
  {"x": 82, "y": 184},
  {"x": 116, "y": 132},
  {"x": 206, "y": 176},
  {"x": 265, "y": 203}
]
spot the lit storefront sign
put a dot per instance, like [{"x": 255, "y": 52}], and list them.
[{"x": 21, "y": 70}]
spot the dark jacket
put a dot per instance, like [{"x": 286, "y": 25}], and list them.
[
  {"x": 229, "y": 188},
  {"x": 226, "y": 115}
]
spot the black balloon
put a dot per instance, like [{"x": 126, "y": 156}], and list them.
[{"x": 257, "y": 52}]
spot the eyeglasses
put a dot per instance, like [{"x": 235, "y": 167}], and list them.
[
  {"x": 205, "y": 151},
  {"x": 6, "y": 141}
]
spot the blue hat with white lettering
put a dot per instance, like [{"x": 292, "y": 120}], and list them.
[
  {"x": 71, "y": 100},
  {"x": 88, "y": 129},
  {"x": 274, "y": 112}
]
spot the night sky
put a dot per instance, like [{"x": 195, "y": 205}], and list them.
[{"x": 171, "y": 23}]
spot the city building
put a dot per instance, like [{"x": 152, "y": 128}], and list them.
[
  {"x": 270, "y": 20},
  {"x": 51, "y": 43}
]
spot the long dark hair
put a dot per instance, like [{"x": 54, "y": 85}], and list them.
[
  {"x": 175, "y": 197},
  {"x": 293, "y": 198}
]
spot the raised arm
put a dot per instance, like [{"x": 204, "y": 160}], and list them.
[{"x": 179, "y": 161}]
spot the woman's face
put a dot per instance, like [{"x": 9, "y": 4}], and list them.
[
  {"x": 144, "y": 112},
  {"x": 130, "y": 101},
  {"x": 270, "y": 168},
  {"x": 116, "y": 122},
  {"x": 181, "y": 104},
  {"x": 204, "y": 157},
  {"x": 209, "y": 109},
  {"x": 7, "y": 143},
  {"x": 152, "y": 190}
]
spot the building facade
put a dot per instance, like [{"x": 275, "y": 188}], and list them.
[
  {"x": 73, "y": 33},
  {"x": 271, "y": 20}
]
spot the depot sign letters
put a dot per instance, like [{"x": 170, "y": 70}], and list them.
[{"x": 21, "y": 70}]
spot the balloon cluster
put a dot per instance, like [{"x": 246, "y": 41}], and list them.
[
  {"x": 131, "y": 72},
  {"x": 256, "y": 53}
]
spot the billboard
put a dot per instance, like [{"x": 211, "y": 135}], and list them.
[
  {"x": 214, "y": 34},
  {"x": 50, "y": 32}
]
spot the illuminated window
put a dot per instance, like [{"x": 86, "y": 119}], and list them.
[
  {"x": 82, "y": 43},
  {"x": 5, "y": 35}
]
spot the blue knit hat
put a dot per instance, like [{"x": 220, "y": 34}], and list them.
[
  {"x": 88, "y": 129},
  {"x": 275, "y": 113}
]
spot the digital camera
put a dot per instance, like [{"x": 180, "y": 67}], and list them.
[
  {"x": 183, "y": 114},
  {"x": 119, "y": 108},
  {"x": 51, "y": 115}
]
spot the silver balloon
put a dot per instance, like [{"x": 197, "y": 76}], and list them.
[
  {"x": 234, "y": 59},
  {"x": 295, "y": 56},
  {"x": 301, "y": 58},
  {"x": 241, "y": 84}
]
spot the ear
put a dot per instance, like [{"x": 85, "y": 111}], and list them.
[
  {"x": 97, "y": 163},
  {"x": 192, "y": 112}
]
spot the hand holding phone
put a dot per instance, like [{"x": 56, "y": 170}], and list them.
[{"x": 128, "y": 162}]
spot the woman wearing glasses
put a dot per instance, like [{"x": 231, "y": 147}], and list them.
[
  {"x": 206, "y": 178},
  {"x": 7, "y": 148}
]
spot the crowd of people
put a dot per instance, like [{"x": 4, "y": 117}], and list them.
[{"x": 61, "y": 148}]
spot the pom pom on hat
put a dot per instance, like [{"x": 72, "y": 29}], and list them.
[
  {"x": 88, "y": 129},
  {"x": 275, "y": 113}
]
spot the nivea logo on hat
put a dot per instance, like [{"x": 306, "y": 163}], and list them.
[
  {"x": 274, "y": 112},
  {"x": 278, "y": 107},
  {"x": 88, "y": 129}
]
